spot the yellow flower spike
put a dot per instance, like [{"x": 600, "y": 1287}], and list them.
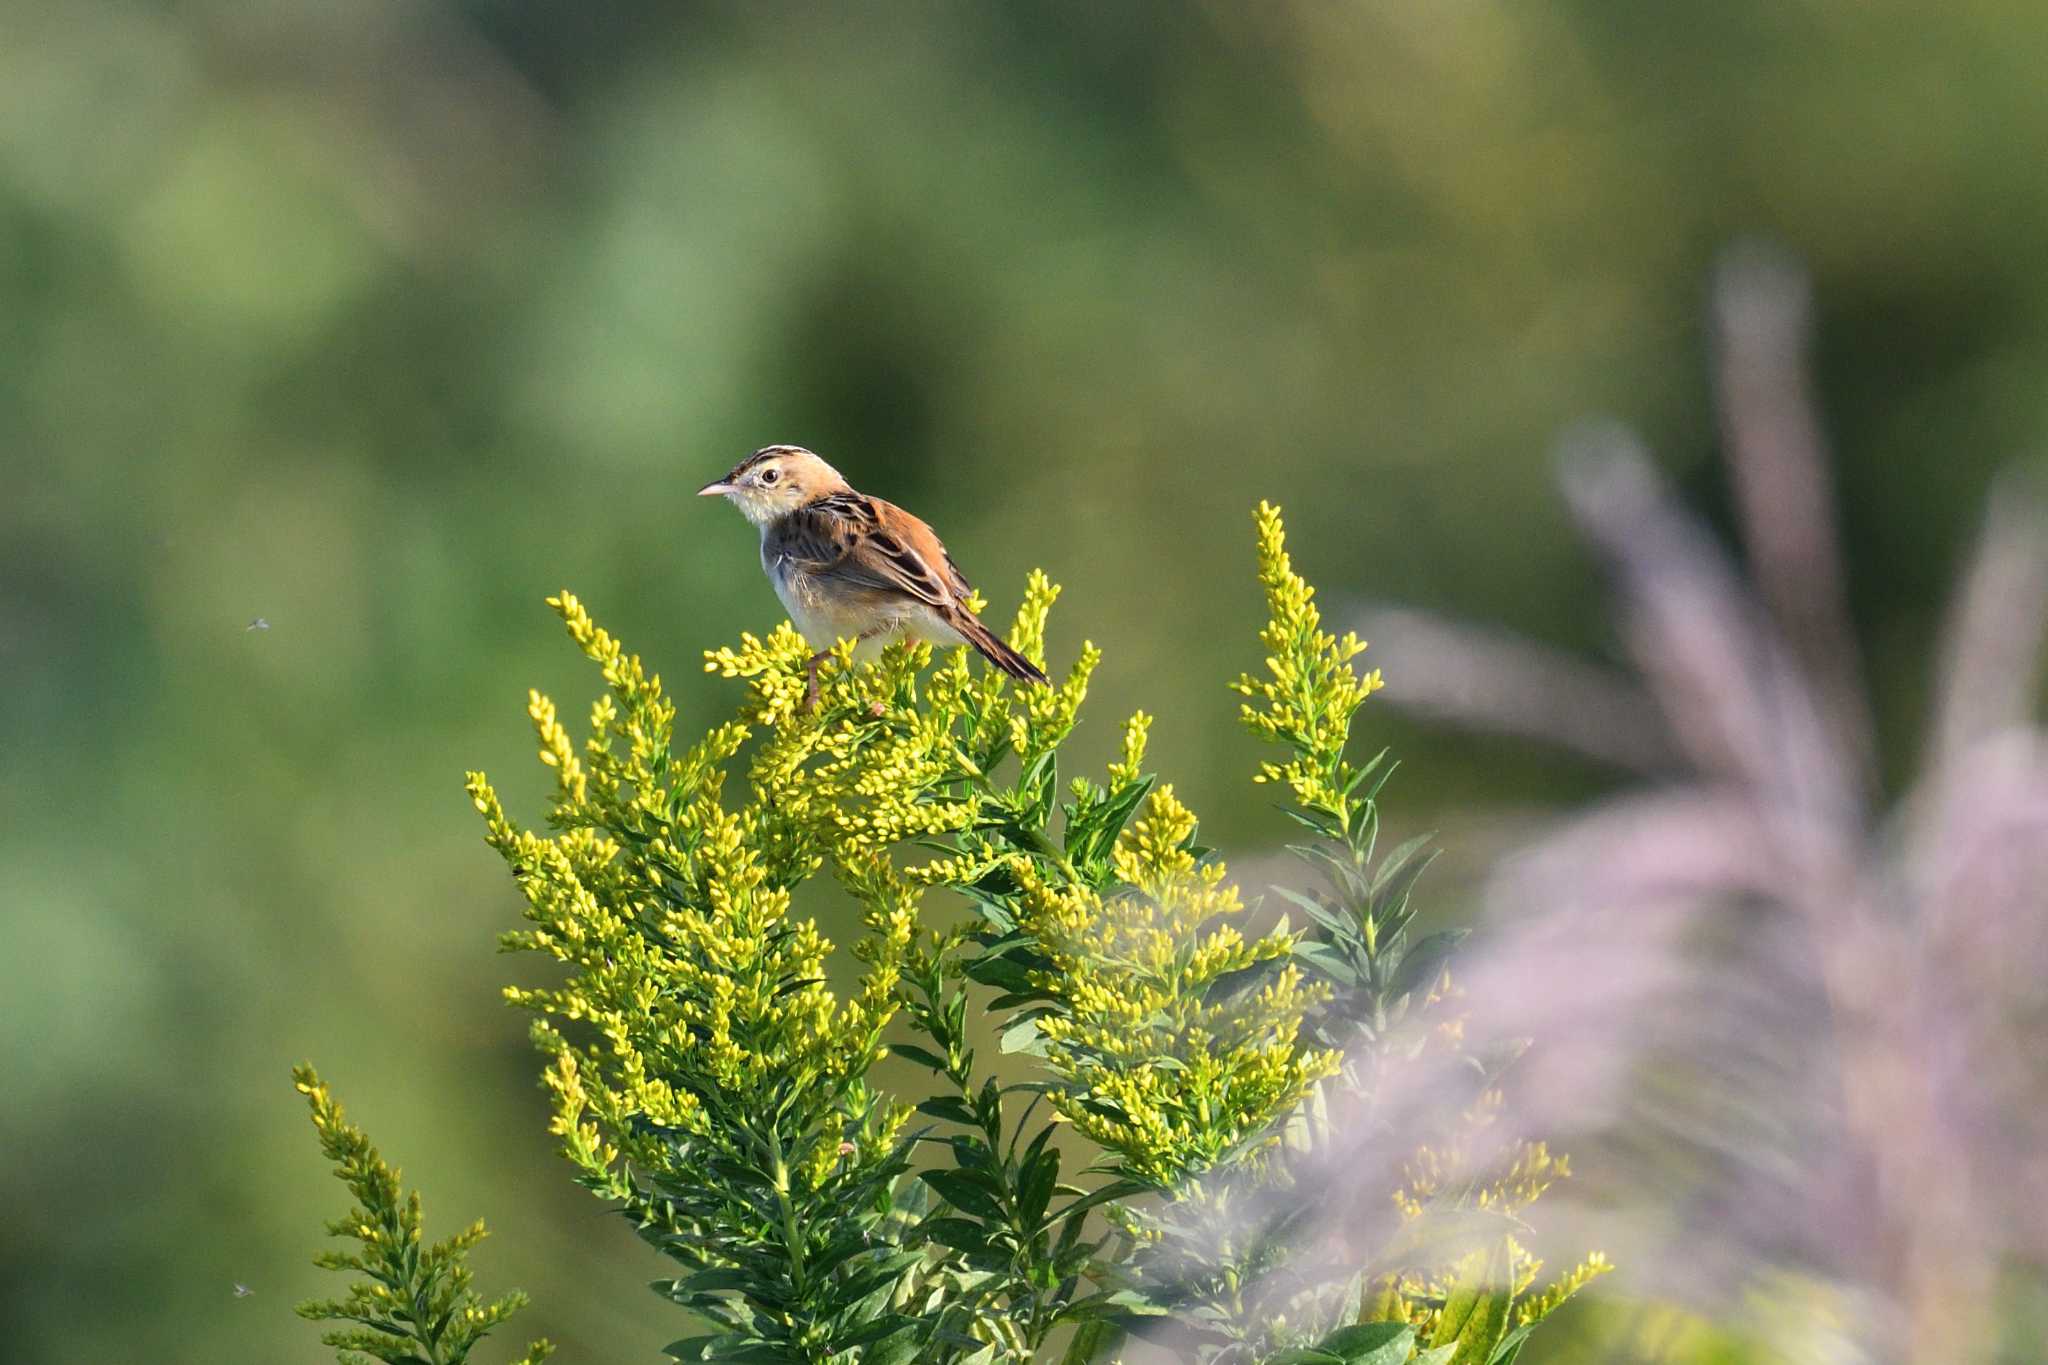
[
  {"x": 1130, "y": 766},
  {"x": 1027, "y": 634}
]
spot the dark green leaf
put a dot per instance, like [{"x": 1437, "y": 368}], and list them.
[
  {"x": 1109, "y": 821},
  {"x": 753, "y": 1351},
  {"x": 873, "y": 1330},
  {"x": 947, "y": 1107},
  {"x": 1370, "y": 1343},
  {"x": 1315, "y": 820},
  {"x": 1229, "y": 984},
  {"x": 965, "y": 1194},
  {"x": 710, "y": 1281},
  {"x": 1094, "y": 1340},
  {"x": 1115, "y": 1189},
  {"x": 1340, "y": 923},
  {"x": 1381, "y": 771},
  {"x": 1475, "y": 1314},
  {"x": 1328, "y": 961},
  {"x": 1392, "y": 896},
  {"x": 912, "y": 1052},
  {"x": 1131, "y": 1302},
  {"x": 849, "y": 1243},
  {"x": 1510, "y": 1345},
  {"x": 1424, "y": 959},
  {"x": 900, "y": 1349},
  {"x": 1000, "y": 972},
  {"x": 965, "y": 1234},
  {"x": 1041, "y": 1174},
  {"x": 1397, "y": 860},
  {"x": 1338, "y": 867}
]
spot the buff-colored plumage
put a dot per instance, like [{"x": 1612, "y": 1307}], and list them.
[{"x": 848, "y": 566}]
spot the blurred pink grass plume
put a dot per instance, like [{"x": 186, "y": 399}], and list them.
[{"x": 1792, "y": 1036}]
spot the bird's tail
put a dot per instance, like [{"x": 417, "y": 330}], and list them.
[{"x": 991, "y": 647}]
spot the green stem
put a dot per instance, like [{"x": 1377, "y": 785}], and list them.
[
  {"x": 1046, "y": 848},
  {"x": 790, "y": 1233}
]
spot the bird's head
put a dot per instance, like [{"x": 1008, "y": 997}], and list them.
[{"x": 773, "y": 482}]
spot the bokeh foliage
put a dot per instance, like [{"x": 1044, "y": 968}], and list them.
[{"x": 378, "y": 322}]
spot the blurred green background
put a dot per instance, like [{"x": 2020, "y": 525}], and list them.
[{"x": 379, "y": 321}]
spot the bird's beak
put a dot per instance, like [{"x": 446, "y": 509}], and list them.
[{"x": 717, "y": 488}]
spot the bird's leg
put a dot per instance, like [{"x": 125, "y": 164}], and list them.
[
  {"x": 811, "y": 668},
  {"x": 811, "y": 672}
]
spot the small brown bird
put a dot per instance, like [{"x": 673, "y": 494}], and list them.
[{"x": 848, "y": 566}]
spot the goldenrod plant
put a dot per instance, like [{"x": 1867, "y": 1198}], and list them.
[
  {"x": 413, "y": 1305},
  {"x": 1203, "y": 1061}
]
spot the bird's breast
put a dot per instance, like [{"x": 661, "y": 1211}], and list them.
[{"x": 820, "y": 614}]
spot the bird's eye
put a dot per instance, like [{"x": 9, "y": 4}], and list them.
[{"x": 770, "y": 475}]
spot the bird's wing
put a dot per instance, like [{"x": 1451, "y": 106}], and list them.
[{"x": 861, "y": 540}]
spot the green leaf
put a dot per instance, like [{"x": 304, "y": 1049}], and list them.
[
  {"x": 1338, "y": 867},
  {"x": 1315, "y": 820},
  {"x": 1041, "y": 1174},
  {"x": 1381, "y": 771},
  {"x": 964, "y": 1194},
  {"x": 1115, "y": 1189},
  {"x": 1109, "y": 821},
  {"x": 734, "y": 1346},
  {"x": 1510, "y": 1345},
  {"x": 1037, "y": 786},
  {"x": 1435, "y": 1355},
  {"x": 912, "y": 1052},
  {"x": 978, "y": 1165},
  {"x": 1094, "y": 1340},
  {"x": 1329, "y": 962},
  {"x": 1370, "y": 1343},
  {"x": 900, "y": 1349},
  {"x": 1339, "y": 923},
  {"x": 1226, "y": 986},
  {"x": 1303, "y": 1355},
  {"x": 1475, "y": 1315},
  {"x": 1397, "y": 861},
  {"x": 947, "y": 1107},
  {"x": 1003, "y": 973},
  {"x": 1372, "y": 765},
  {"x": 963, "y": 1234},
  {"x": 873, "y": 1330},
  {"x": 1421, "y": 963},
  {"x": 850, "y": 1243},
  {"x": 712, "y": 1281},
  {"x": 1023, "y": 1036}
]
